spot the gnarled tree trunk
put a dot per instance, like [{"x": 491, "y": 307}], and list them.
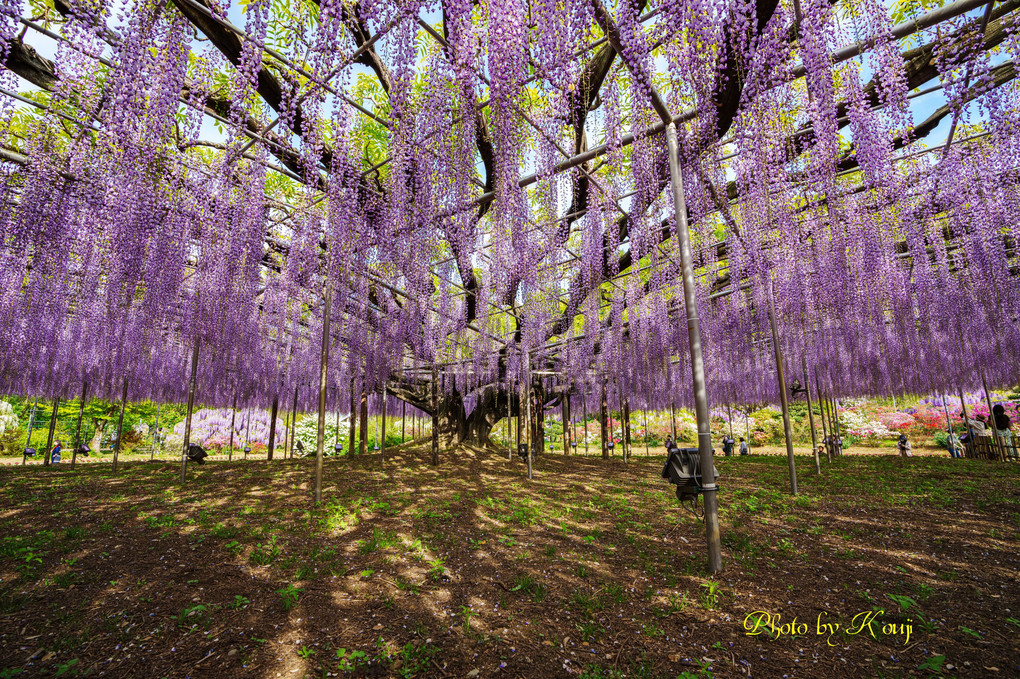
[{"x": 455, "y": 424}]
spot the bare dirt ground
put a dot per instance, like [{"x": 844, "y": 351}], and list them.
[{"x": 470, "y": 570}]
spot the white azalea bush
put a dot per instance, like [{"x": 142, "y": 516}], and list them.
[
  {"x": 8, "y": 418},
  {"x": 308, "y": 426},
  {"x": 862, "y": 427}
]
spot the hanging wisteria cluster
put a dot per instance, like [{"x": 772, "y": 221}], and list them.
[{"x": 483, "y": 189}]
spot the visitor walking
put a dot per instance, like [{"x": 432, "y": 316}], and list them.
[
  {"x": 55, "y": 453},
  {"x": 727, "y": 445},
  {"x": 904, "y": 446},
  {"x": 743, "y": 447}
]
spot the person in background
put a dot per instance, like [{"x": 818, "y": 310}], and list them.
[
  {"x": 55, "y": 453},
  {"x": 904, "y": 446},
  {"x": 727, "y": 445},
  {"x": 954, "y": 445},
  {"x": 669, "y": 443},
  {"x": 1002, "y": 423},
  {"x": 974, "y": 427},
  {"x": 743, "y": 447},
  {"x": 980, "y": 426},
  {"x": 839, "y": 446}
]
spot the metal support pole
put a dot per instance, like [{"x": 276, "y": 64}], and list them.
[
  {"x": 830, "y": 449},
  {"x": 825, "y": 430},
  {"x": 573, "y": 421},
  {"x": 672, "y": 417},
  {"x": 837, "y": 427},
  {"x": 646, "y": 430},
  {"x": 155, "y": 433},
  {"x": 287, "y": 428},
  {"x": 323, "y": 366},
  {"x": 363, "y": 425},
  {"x": 435, "y": 417},
  {"x": 247, "y": 431},
  {"x": 784, "y": 399},
  {"x": 603, "y": 421},
  {"x": 191, "y": 406},
  {"x": 382, "y": 428},
  {"x": 700, "y": 389},
  {"x": 584, "y": 410},
  {"x": 563, "y": 418},
  {"x": 272, "y": 427},
  {"x": 509, "y": 436},
  {"x": 966, "y": 421},
  {"x": 625, "y": 422},
  {"x": 320, "y": 433},
  {"x": 28, "y": 439},
  {"x": 531, "y": 428},
  {"x": 747, "y": 431},
  {"x": 403, "y": 422},
  {"x": 293, "y": 423},
  {"x": 811, "y": 416},
  {"x": 77, "y": 431},
  {"x": 53, "y": 428},
  {"x": 233, "y": 418},
  {"x": 729, "y": 418},
  {"x": 353, "y": 419},
  {"x": 120, "y": 425},
  {"x": 1000, "y": 448},
  {"x": 826, "y": 426},
  {"x": 949, "y": 425}
]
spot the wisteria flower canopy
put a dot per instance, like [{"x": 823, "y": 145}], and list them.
[{"x": 484, "y": 184}]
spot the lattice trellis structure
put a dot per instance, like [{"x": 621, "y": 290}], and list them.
[{"x": 475, "y": 183}]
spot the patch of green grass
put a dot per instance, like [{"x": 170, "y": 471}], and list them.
[
  {"x": 466, "y": 614},
  {"x": 970, "y": 632},
  {"x": 289, "y": 596},
  {"x": 407, "y": 586},
  {"x": 530, "y": 586},
  {"x": 416, "y": 657},
  {"x": 159, "y": 521},
  {"x": 380, "y": 540},
  {"x": 223, "y": 531},
  {"x": 65, "y": 580},
  {"x": 75, "y": 533},
  {"x": 933, "y": 665},
  {"x": 350, "y": 660},
  {"x": 437, "y": 569},
  {"x": 192, "y": 616},
  {"x": 652, "y": 630},
  {"x": 710, "y": 595},
  {"x": 265, "y": 553},
  {"x": 590, "y": 630},
  {"x": 239, "y": 602}
]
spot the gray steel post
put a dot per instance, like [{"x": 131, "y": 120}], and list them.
[
  {"x": 191, "y": 406},
  {"x": 709, "y": 489},
  {"x": 784, "y": 400},
  {"x": 120, "y": 425},
  {"x": 320, "y": 434}
]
